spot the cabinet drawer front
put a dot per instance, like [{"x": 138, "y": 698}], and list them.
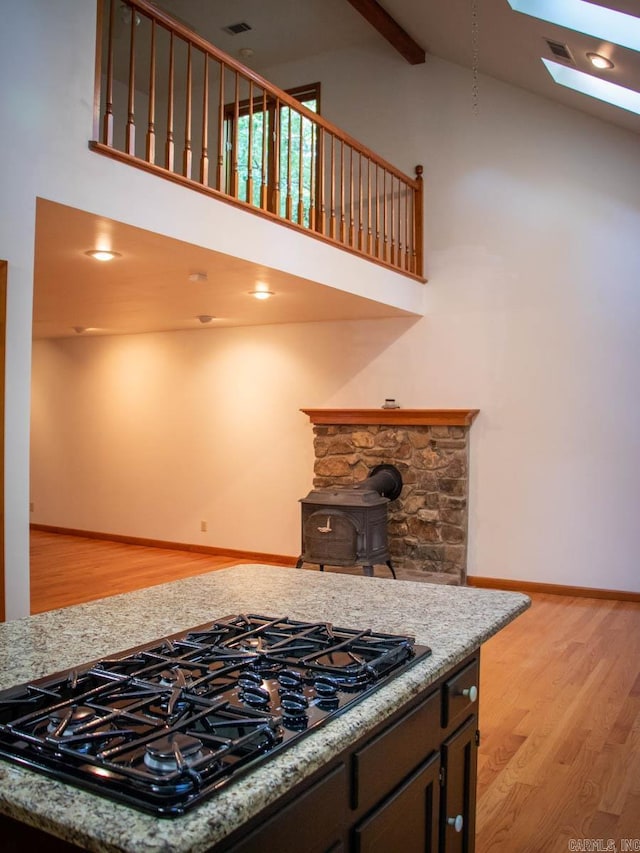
[
  {"x": 314, "y": 822},
  {"x": 407, "y": 821},
  {"x": 459, "y": 694},
  {"x": 387, "y": 759}
]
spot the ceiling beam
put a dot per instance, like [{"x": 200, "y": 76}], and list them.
[{"x": 390, "y": 29}]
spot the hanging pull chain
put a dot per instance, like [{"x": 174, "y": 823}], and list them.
[{"x": 475, "y": 61}]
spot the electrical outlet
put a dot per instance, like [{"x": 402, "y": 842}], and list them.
[
  {"x": 31, "y": 506},
  {"x": 203, "y": 526}
]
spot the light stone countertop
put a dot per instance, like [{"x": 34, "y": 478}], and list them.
[{"x": 453, "y": 621}]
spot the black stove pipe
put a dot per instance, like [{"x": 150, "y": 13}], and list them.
[{"x": 386, "y": 480}]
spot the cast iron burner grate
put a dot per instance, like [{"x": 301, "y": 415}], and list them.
[{"x": 164, "y": 726}]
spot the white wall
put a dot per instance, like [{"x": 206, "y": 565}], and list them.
[
  {"x": 148, "y": 435},
  {"x": 533, "y": 213},
  {"x": 533, "y": 307}
]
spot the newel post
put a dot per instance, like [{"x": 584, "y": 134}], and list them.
[{"x": 418, "y": 236}]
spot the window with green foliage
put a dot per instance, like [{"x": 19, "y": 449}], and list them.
[{"x": 277, "y": 173}]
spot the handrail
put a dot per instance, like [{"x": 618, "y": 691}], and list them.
[{"x": 271, "y": 153}]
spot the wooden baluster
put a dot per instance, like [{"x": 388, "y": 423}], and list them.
[
  {"x": 378, "y": 242},
  {"x": 187, "y": 152},
  {"x": 301, "y": 173},
  {"x": 312, "y": 179},
  {"x": 204, "y": 156},
  {"x": 398, "y": 220},
  {"x": 410, "y": 228},
  {"x": 151, "y": 128},
  {"x": 399, "y": 214},
  {"x": 220, "y": 178},
  {"x": 168, "y": 160},
  {"x": 130, "y": 144},
  {"x": 352, "y": 226},
  {"x": 418, "y": 226},
  {"x": 385, "y": 233},
  {"x": 360, "y": 224},
  {"x": 407, "y": 229},
  {"x": 400, "y": 254},
  {"x": 369, "y": 222},
  {"x": 235, "y": 184},
  {"x": 107, "y": 127},
  {"x": 332, "y": 190},
  {"x": 322, "y": 224},
  {"x": 250, "y": 150},
  {"x": 288, "y": 213},
  {"x": 276, "y": 158},
  {"x": 401, "y": 225},
  {"x": 343, "y": 225},
  {"x": 264, "y": 191},
  {"x": 392, "y": 234}
]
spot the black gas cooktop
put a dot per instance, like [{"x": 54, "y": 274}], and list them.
[{"x": 163, "y": 726}]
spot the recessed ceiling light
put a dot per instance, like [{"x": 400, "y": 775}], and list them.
[
  {"x": 79, "y": 330},
  {"x": 595, "y": 87},
  {"x": 102, "y": 254},
  {"x": 205, "y": 318},
  {"x": 599, "y": 61},
  {"x": 198, "y": 276},
  {"x": 261, "y": 294}
]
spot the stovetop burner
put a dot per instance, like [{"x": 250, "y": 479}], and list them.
[{"x": 163, "y": 726}]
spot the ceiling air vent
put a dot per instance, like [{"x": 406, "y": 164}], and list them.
[
  {"x": 234, "y": 29},
  {"x": 560, "y": 51}
]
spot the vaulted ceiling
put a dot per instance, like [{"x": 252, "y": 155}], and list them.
[{"x": 509, "y": 44}]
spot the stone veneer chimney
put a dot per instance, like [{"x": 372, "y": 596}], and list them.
[{"x": 430, "y": 447}]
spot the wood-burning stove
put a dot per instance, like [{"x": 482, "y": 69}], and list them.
[{"x": 347, "y": 525}]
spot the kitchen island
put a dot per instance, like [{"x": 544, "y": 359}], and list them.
[{"x": 452, "y": 621}]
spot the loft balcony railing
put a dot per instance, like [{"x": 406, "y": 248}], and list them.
[{"x": 169, "y": 102}]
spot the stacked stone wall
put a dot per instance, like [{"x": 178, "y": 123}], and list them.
[{"x": 428, "y": 522}]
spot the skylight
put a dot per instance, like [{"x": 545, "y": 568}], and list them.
[
  {"x": 597, "y": 21},
  {"x": 588, "y": 84}
]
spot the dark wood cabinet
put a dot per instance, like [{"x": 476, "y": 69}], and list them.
[
  {"x": 313, "y": 822},
  {"x": 458, "y": 789},
  {"x": 407, "y": 820},
  {"x": 387, "y": 759},
  {"x": 409, "y": 786}
]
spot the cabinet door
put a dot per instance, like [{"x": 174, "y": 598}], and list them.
[
  {"x": 407, "y": 820},
  {"x": 458, "y": 794},
  {"x": 386, "y": 760},
  {"x": 314, "y": 822}
]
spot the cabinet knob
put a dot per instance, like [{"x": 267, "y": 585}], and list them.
[
  {"x": 471, "y": 693},
  {"x": 456, "y": 822}
]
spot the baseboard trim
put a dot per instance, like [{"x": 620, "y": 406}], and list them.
[
  {"x": 250, "y": 556},
  {"x": 552, "y": 589}
]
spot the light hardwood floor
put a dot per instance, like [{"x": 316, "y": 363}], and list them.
[
  {"x": 68, "y": 570},
  {"x": 559, "y": 759}
]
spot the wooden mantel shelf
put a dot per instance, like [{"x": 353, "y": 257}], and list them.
[{"x": 393, "y": 417}]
